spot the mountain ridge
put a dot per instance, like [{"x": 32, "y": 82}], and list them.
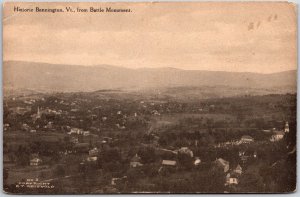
[
  {"x": 60, "y": 77},
  {"x": 141, "y": 68}
]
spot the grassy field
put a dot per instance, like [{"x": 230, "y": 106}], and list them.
[
  {"x": 173, "y": 119},
  {"x": 16, "y": 174}
]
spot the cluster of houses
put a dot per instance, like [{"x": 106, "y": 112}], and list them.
[
  {"x": 276, "y": 136},
  {"x": 20, "y": 110},
  {"x": 46, "y": 111},
  {"x": 30, "y": 102},
  {"x": 245, "y": 155},
  {"x": 279, "y": 135},
  {"x": 35, "y": 160},
  {"x": 79, "y": 132},
  {"x": 167, "y": 164},
  {"x": 92, "y": 155},
  {"x": 154, "y": 108},
  {"x": 232, "y": 175},
  {"x": 81, "y": 148},
  {"x": 245, "y": 139}
]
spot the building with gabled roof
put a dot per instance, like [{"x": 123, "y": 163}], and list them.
[
  {"x": 186, "y": 150},
  {"x": 223, "y": 164},
  {"x": 238, "y": 170},
  {"x": 197, "y": 161},
  {"x": 35, "y": 161},
  {"x": 135, "y": 161},
  {"x": 247, "y": 139},
  {"x": 93, "y": 152},
  {"x": 277, "y": 136},
  {"x": 286, "y": 127},
  {"x": 168, "y": 163}
]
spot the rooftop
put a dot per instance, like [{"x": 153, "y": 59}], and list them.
[
  {"x": 168, "y": 162},
  {"x": 247, "y": 137},
  {"x": 223, "y": 162}
]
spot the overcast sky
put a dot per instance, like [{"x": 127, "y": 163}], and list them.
[{"x": 242, "y": 37}]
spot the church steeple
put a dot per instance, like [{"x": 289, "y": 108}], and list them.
[
  {"x": 38, "y": 112},
  {"x": 286, "y": 127}
]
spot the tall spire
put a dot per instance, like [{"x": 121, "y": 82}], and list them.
[
  {"x": 286, "y": 128},
  {"x": 38, "y": 113}
]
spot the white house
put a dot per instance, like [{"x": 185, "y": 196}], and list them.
[
  {"x": 76, "y": 131},
  {"x": 92, "y": 159},
  {"x": 247, "y": 139},
  {"x": 197, "y": 161},
  {"x": 136, "y": 161},
  {"x": 35, "y": 161},
  {"x": 223, "y": 163},
  {"x": 231, "y": 181},
  {"x": 277, "y": 136},
  {"x": 93, "y": 152},
  {"x": 186, "y": 150},
  {"x": 238, "y": 170},
  {"x": 168, "y": 163}
]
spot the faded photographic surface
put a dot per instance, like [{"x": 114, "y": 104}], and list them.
[{"x": 149, "y": 98}]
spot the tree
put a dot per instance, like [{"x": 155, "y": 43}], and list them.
[
  {"x": 22, "y": 155},
  {"x": 147, "y": 154},
  {"x": 110, "y": 155},
  {"x": 5, "y": 175},
  {"x": 185, "y": 160},
  {"x": 59, "y": 171},
  {"x": 210, "y": 181},
  {"x": 251, "y": 183}
]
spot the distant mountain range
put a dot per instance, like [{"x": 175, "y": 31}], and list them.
[{"x": 43, "y": 77}]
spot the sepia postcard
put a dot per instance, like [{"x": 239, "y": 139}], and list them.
[{"x": 152, "y": 97}]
